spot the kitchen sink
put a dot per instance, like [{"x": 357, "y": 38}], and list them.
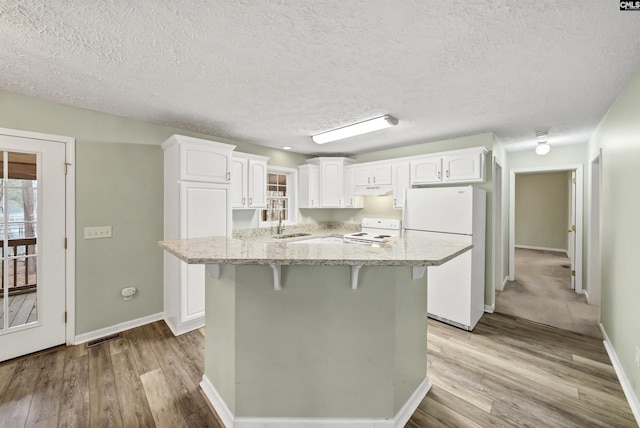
[{"x": 291, "y": 235}]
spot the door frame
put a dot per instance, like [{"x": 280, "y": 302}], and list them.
[
  {"x": 70, "y": 221},
  {"x": 579, "y": 215},
  {"x": 499, "y": 278},
  {"x": 594, "y": 272}
]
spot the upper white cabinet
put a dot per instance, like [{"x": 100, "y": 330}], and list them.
[
  {"x": 467, "y": 165},
  {"x": 372, "y": 174},
  {"x": 248, "y": 181},
  {"x": 330, "y": 181},
  {"x": 401, "y": 178},
  {"x": 463, "y": 167},
  {"x": 327, "y": 182},
  {"x": 426, "y": 170},
  {"x": 308, "y": 185},
  {"x": 197, "y": 196},
  {"x": 200, "y": 160},
  {"x": 351, "y": 200}
]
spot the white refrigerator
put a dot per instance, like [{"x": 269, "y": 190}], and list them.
[{"x": 455, "y": 289}]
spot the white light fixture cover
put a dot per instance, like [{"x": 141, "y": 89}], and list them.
[
  {"x": 355, "y": 129},
  {"x": 542, "y": 148}
]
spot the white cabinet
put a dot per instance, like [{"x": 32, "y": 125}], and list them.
[
  {"x": 308, "y": 186},
  {"x": 248, "y": 181},
  {"x": 426, "y": 170},
  {"x": 463, "y": 167},
  {"x": 330, "y": 182},
  {"x": 401, "y": 178},
  {"x": 467, "y": 165},
  {"x": 201, "y": 160},
  {"x": 197, "y": 200},
  {"x": 372, "y": 174},
  {"x": 350, "y": 198}
]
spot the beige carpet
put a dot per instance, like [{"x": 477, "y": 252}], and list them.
[{"x": 542, "y": 293}]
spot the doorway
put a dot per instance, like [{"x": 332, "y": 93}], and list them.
[
  {"x": 545, "y": 265},
  {"x": 34, "y": 224}
]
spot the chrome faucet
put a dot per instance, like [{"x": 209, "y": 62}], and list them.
[{"x": 280, "y": 228}]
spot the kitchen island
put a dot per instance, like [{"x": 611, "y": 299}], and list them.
[{"x": 315, "y": 335}]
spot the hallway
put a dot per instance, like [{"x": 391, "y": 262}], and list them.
[{"x": 542, "y": 293}]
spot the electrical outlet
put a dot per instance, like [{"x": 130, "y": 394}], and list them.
[
  {"x": 638, "y": 357},
  {"x": 97, "y": 232}
]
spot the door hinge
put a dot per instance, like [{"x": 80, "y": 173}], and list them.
[
  {"x": 574, "y": 180},
  {"x": 65, "y": 317},
  {"x": 66, "y": 167},
  {"x": 65, "y": 243},
  {"x": 573, "y": 273},
  {"x": 573, "y": 227}
]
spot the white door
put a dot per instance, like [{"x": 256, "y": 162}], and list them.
[
  {"x": 572, "y": 227},
  {"x": 32, "y": 232},
  {"x": 204, "y": 213}
]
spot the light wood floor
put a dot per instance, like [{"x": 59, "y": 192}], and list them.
[{"x": 507, "y": 373}]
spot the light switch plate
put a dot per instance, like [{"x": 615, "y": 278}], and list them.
[{"x": 97, "y": 232}]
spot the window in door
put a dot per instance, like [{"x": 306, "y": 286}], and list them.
[{"x": 18, "y": 234}]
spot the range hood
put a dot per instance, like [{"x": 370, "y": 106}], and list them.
[{"x": 379, "y": 190}]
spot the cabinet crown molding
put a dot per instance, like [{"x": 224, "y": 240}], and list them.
[{"x": 176, "y": 138}]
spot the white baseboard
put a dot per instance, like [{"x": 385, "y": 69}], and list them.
[
  {"x": 622, "y": 376},
  {"x": 224, "y": 413},
  {"x": 127, "y": 325},
  {"x": 185, "y": 327},
  {"x": 489, "y": 308},
  {"x": 531, "y": 247},
  {"x": 229, "y": 421}
]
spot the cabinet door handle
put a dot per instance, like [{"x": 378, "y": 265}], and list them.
[
  {"x": 243, "y": 200},
  {"x": 250, "y": 201},
  {"x": 374, "y": 180},
  {"x": 368, "y": 180},
  {"x": 438, "y": 175},
  {"x": 395, "y": 201},
  {"x": 447, "y": 173},
  {"x": 228, "y": 176}
]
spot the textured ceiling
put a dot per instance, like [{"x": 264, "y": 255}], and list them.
[{"x": 275, "y": 72}]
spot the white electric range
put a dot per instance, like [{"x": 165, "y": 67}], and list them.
[{"x": 375, "y": 230}]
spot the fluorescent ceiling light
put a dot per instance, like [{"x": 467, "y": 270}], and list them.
[
  {"x": 356, "y": 129},
  {"x": 286, "y": 148},
  {"x": 543, "y": 148}
]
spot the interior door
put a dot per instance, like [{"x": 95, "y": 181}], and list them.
[
  {"x": 571, "y": 231},
  {"x": 32, "y": 233}
]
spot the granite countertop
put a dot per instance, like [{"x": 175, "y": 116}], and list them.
[{"x": 406, "y": 251}]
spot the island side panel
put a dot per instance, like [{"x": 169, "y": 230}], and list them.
[
  {"x": 410, "y": 365},
  {"x": 220, "y": 334},
  {"x": 319, "y": 349}
]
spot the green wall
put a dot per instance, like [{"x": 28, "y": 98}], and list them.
[
  {"x": 542, "y": 210},
  {"x": 618, "y": 135},
  {"x": 118, "y": 183}
]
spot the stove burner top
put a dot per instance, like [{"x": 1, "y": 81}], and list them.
[
  {"x": 382, "y": 236},
  {"x": 359, "y": 234}
]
